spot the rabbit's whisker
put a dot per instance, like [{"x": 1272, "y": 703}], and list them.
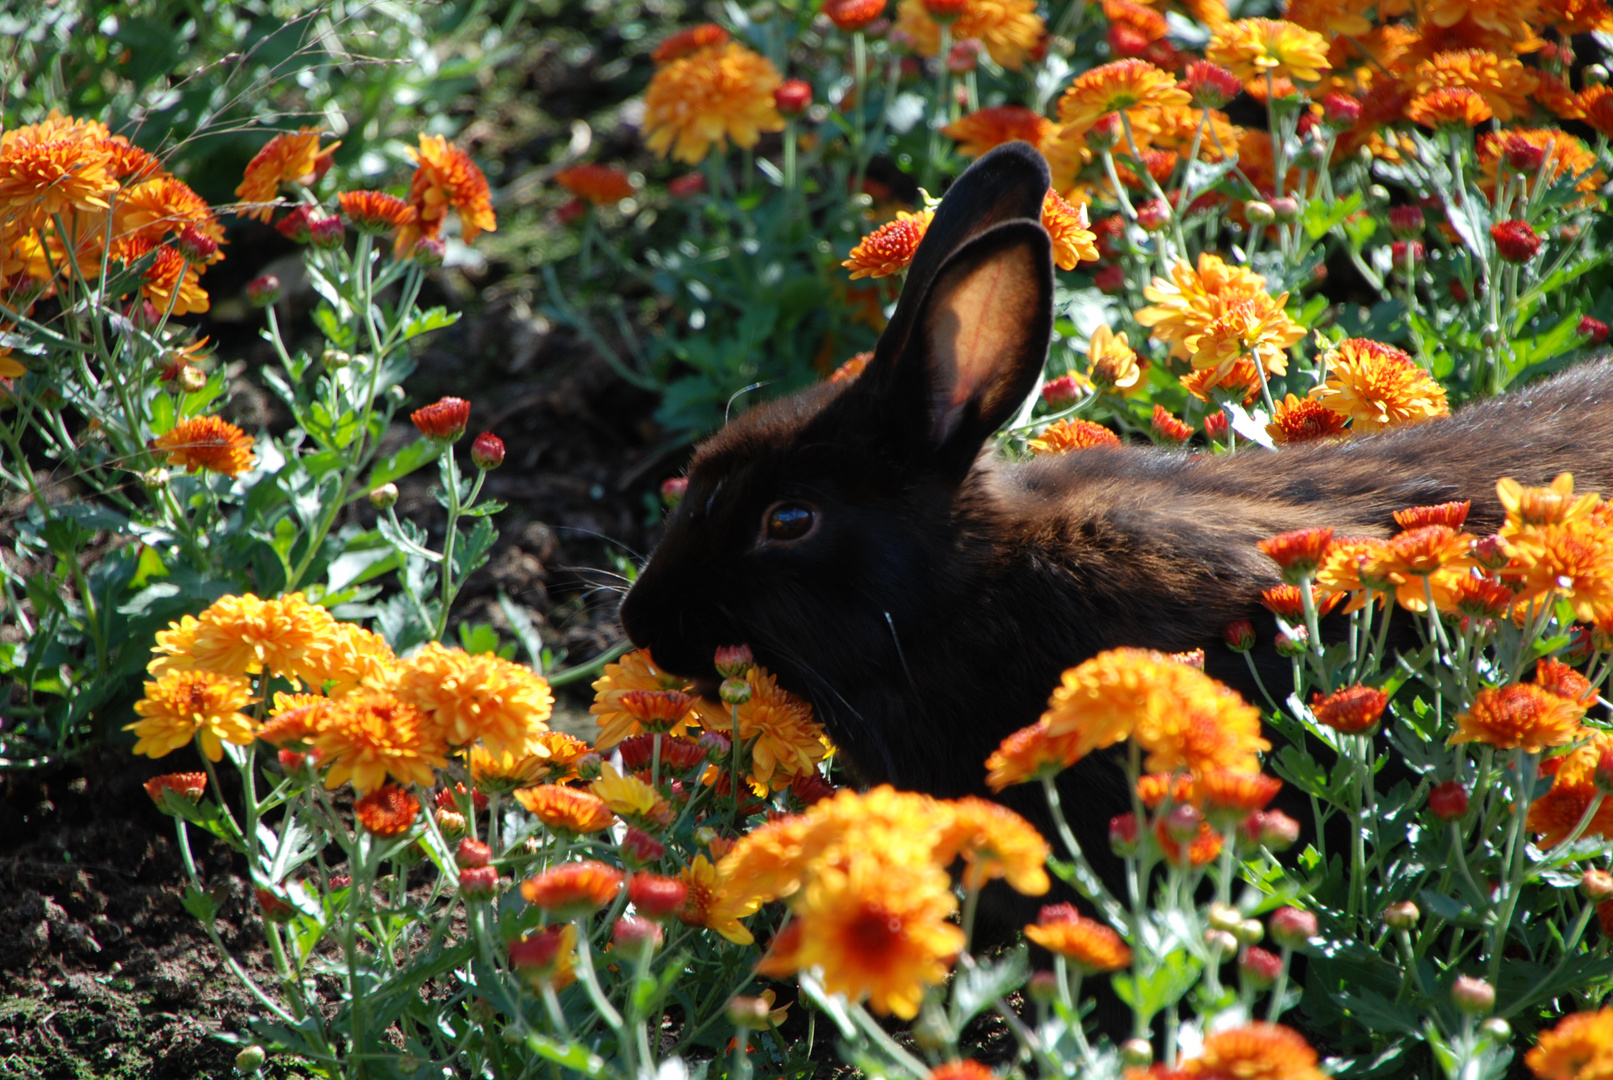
[{"x": 900, "y": 655}]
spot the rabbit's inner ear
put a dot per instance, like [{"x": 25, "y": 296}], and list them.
[{"x": 985, "y": 329}]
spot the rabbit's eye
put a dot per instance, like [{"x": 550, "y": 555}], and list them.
[{"x": 788, "y": 521}]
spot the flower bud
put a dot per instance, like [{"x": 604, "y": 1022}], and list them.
[
  {"x": 1285, "y": 208},
  {"x": 1292, "y": 643},
  {"x": 1490, "y": 552},
  {"x": 1292, "y": 928},
  {"x": 1597, "y": 885},
  {"x": 1406, "y": 222},
  {"x": 1042, "y": 987},
  {"x": 1515, "y": 241},
  {"x": 639, "y": 848},
  {"x": 1221, "y": 943},
  {"x": 963, "y": 57},
  {"x": 335, "y": 359},
  {"x": 451, "y": 823},
  {"x": 589, "y": 767},
  {"x": 793, "y": 97},
  {"x": 687, "y": 186},
  {"x": 1401, "y": 916},
  {"x": 1406, "y": 254},
  {"x": 634, "y": 935},
  {"x": 1340, "y": 111},
  {"x": 1210, "y": 85},
  {"x": 154, "y": 477},
  {"x": 194, "y": 245},
  {"x": 1497, "y": 1030},
  {"x": 192, "y": 378},
  {"x": 1123, "y": 834},
  {"x": 429, "y": 251},
  {"x": 326, "y": 233},
  {"x": 1448, "y": 800},
  {"x": 250, "y": 1059},
  {"x": 1136, "y": 1053},
  {"x": 734, "y": 691},
  {"x": 1105, "y": 133},
  {"x": 1182, "y": 823},
  {"x": 1060, "y": 391},
  {"x": 717, "y": 745},
  {"x": 656, "y": 897},
  {"x": 471, "y": 854},
  {"x": 443, "y": 420},
  {"x": 478, "y": 883},
  {"x": 1240, "y": 635},
  {"x": 1250, "y": 931},
  {"x": 384, "y": 496},
  {"x": 1594, "y": 329},
  {"x": 1594, "y": 75},
  {"x": 1259, "y": 968},
  {"x": 1277, "y": 831},
  {"x": 1259, "y": 213},
  {"x": 487, "y": 451},
  {"x": 1154, "y": 215},
  {"x": 1473, "y": 996},
  {"x": 672, "y": 490},
  {"x": 263, "y": 291},
  {"x": 1224, "y": 917},
  {"x": 733, "y": 661},
  {"x": 1109, "y": 279},
  {"x": 292, "y": 762}
]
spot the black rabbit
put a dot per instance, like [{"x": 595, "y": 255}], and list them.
[{"x": 925, "y": 596}]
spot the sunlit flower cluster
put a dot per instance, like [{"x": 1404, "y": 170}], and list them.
[{"x": 708, "y": 96}]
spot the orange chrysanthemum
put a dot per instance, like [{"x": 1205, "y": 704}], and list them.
[
  {"x": 1237, "y": 381},
  {"x": 1566, "y": 156},
  {"x": 1073, "y": 239},
  {"x": 987, "y": 128},
  {"x": 376, "y": 212},
  {"x": 1258, "y": 1051},
  {"x": 1288, "y": 603},
  {"x": 1299, "y": 552},
  {"x": 1066, "y": 435},
  {"x": 1452, "y": 106},
  {"x": 1556, "y": 814},
  {"x": 1201, "y": 850},
  {"x": 287, "y": 158},
  {"x": 243, "y": 635},
  {"x": 163, "y": 206},
  {"x": 994, "y": 842},
  {"x": 1093, "y": 947},
  {"x": 1352, "y": 710},
  {"x": 1255, "y": 49},
  {"x": 1509, "y": 18},
  {"x": 207, "y": 442},
  {"x": 879, "y": 930},
  {"x": 295, "y": 718},
  {"x": 786, "y": 742},
  {"x": 1451, "y": 514},
  {"x": 1570, "y": 560},
  {"x": 39, "y": 179},
  {"x": 475, "y": 698},
  {"x": 1256, "y": 327},
  {"x": 710, "y": 97},
  {"x": 182, "y": 705},
  {"x": 170, "y": 273},
  {"x": 962, "y": 1070},
  {"x": 716, "y": 900},
  {"x": 1378, "y": 386},
  {"x": 1120, "y": 86},
  {"x": 1009, "y": 29},
  {"x": 387, "y": 811},
  {"x": 1564, "y": 681},
  {"x": 598, "y": 184},
  {"x": 445, "y": 178},
  {"x": 1580, "y": 1047},
  {"x": 1194, "y": 297},
  {"x": 890, "y": 248},
  {"x": 1504, "y": 83},
  {"x": 1595, "y": 106},
  {"x": 1519, "y": 716},
  {"x": 573, "y": 889},
  {"x": 369, "y": 735},
  {"x": 346, "y": 656},
  {"x": 1554, "y": 504},
  {"x": 566, "y": 809},
  {"x": 689, "y": 40},
  {"x": 187, "y": 785},
  {"x": 1219, "y": 791},
  {"x": 1029, "y": 754},
  {"x": 635, "y": 671}
]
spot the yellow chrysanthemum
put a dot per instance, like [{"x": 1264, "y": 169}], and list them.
[
  {"x": 1073, "y": 239},
  {"x": 769, "y": 861},
  {"x": 1111, "y": 362},
  {"x": 292, "y": 157},
  {"x": 1122, "y": 86},
  {"x": 207, "y": 442},
  {"x": 1580, "y": 1047},
  {"x": 182, "y": 705},
  {"x": 1556, "y": 814},
  {"x": 879, "y": 931},
  {"x": 635, "y": 671},
  {"x": 1183, "y": 718},
  {"x": 1519, "y": 716},
  {"x": 890, "y": 248},
  {"x": 1555, "y": 504},
  {"x": 994, "y": 842},
  {"x": 1255, "y": 49},
  {"x": 567, "y": 809},
  {"x": 1378, "y": 386},
  {"x": 716, "y": 903},
  {"x": 710, "y": 97},
  {"x": 481, "y": 698},
  {"x": 346, "y": 657},
  {"x": 1009, "y": 29},
  {"x": 1505, "y": 84},
  {"x": 629, "y": 797},
  {"x": 370, "y": 735},
  {"x": 786, "y": 741},
  {"x": 987, "y": 128},
  {"x": 1194, "y": 297},
  {"x": 1257, "y": 328},
  {"x": 1065, "y": 435},
  {"x": 243, "y": 635}
]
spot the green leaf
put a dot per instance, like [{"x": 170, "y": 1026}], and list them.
[
  {"x": 569, "y": 1055},
  {"x": 975, "y": 988},
  {"x": 365, "y": 557},
  {"x": 1321, "y": 217},
  {"x": 404, "y": 462},
  {"x": 199, "y": 904},
  {"x": 431, "y": 319},
  {"x": 525, "y": 632},
  {"x": 478, "y": 639}
]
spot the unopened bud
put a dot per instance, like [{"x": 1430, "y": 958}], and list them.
[
  {"x": 1448, "y": 800},
  {"x": 1224, "y": 917},
  {"x": 263, "y": 291},
  {"x": 1250, "y": 931},
  {"x": 1594, "y": 75},
  {"x": 1182, "y": 823},
  {"x": 1154, "y": 215},
  {"x": 634, "y": 934},
  {"x": 154, "y": 477},
  {"x": 472, "y": 853},
  {"x": 452, "y": 823},
  {"x": 793, "y": 97},
  {"x": 429, "y": 251},
  {"x": 194, "y": 245},
  {"x": 733, "y": 661},
  {"x": 1293, "y": 642},
  {"x": 1043, "y": 987},
  {"x": 1221, "y": 943},
  {"x": 1292, "y": 928},
  {"x": 734, "y": 691},
  {"x": 192, "y": 378},
  {"x": 748, "y": 1012},
  {"x": 335, "y": 359},
  {"x": 1285, "y": 208},
  {"x": 1123, "y": 834},
  {"x": 1497, "y": 1030},
  {"x": 384, "y": 496},
  {"x": 1278, "y": 831},
  {"x": 1240, "y": 635},
  {"x": 672, "y": 490},
  {"x": 1473, "y": 996},
  {"x": 292, "y": 762},
  {"x": 589, "y": 767},
  {"x": 478, "y": 883},
  {"x": 487, "y": 451},
  {"x": 1597, "y": 886},
  {"x": 250, "y": 1059},
  {"x": 1136, "y": 1053},
  {"x": 1259, "y": 967},
  {"x": 1401, "y": 916},
  {"x": 1259, "y": 213}
]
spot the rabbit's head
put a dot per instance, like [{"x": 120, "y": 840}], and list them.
[{"x": 814, "y": 525}]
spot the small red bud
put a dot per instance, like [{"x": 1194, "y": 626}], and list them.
[
  {"x": 263, "y": 291},
  {"x": 1448, "y": 800},
  {"x": 1123, "y": 834},
  {"x": 487, "y": 451},
  {"x": 793, "y": 97},
  {"x": 472, "y": 853},
  {"x": 1292, "y": 928},
  {"x": 478, "y": 883},
  {"x": 1259, "y": 967}
]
